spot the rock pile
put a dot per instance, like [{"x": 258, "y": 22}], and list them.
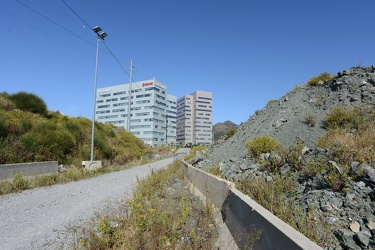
[{"x": 350, "y": 212}]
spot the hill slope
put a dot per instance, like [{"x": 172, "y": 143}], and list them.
[
  {"x": 332, "y": 188},
  {"x": 284, "y": 119},
  {"x": 30, "y": 133}
]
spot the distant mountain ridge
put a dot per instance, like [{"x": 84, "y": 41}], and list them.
[{"x": 220, "y": 128}]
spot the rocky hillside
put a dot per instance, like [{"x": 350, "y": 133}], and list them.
[
  {"x": 220, "y": 128},
  {"x": 346, "y": 207}
]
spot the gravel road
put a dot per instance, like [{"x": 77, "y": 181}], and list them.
[{"x": 30, "y": 217}]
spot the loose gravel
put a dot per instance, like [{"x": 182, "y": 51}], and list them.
[{"x": 30, "y": 218}]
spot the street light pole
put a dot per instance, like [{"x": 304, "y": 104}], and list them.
[{"x": 101, "y": 35}]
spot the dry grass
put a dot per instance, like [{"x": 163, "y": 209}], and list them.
[{"x": 151, "y": 220}]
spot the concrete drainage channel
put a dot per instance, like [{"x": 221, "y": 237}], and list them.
[{"x": 242, "y": 217}]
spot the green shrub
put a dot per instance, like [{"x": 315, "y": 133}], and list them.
[
  {"x": 3, "y": 125},
  {"x": 196, "y": 149},
  {"x": 6, "y": 103},
  {"x": 262, "y": 144},
  {"x": 188, "y": 157},
  {"x": 215, "y": 170},
  {"x": 270, "y": 195},
  {"x": 309, "y": 120},
  {"x": 230, "y": 132},
  {"x": 271, "y": 101},
  {"x": 323, "y": 77},
  {"x": 338, "y": 180},
  {"x": 344, "y": 118},
  {"x": 29, "y": 102},
  {"x": 20, "y": 183},
  {"x": 47, "y": 141},
  {"x": 293, "y": 155}
]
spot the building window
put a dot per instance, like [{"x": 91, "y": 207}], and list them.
[
  {"x": 103, "y": 106},
  {"x": 120, "y": 93},
  {"x": 112, "y": 100}
]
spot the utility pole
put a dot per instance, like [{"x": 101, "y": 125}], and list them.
[
  {"x": 130, "y": 93},
  {"x": 166, "y": 130}
]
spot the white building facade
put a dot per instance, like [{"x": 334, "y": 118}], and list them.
[
  {"x": 194, "y": 119},
  {"x": 152, "y": 110}
]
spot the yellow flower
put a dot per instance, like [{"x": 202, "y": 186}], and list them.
[{"x": 82, "y": 241}]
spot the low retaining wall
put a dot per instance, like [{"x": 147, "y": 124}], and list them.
[
  {"x": 7, "y": 171},
  {"x": 243, "y": 217}
]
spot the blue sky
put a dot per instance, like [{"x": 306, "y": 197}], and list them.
[{"x": 244, "y": 52}]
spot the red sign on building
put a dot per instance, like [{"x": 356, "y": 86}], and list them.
[{"x": 146, "y": 84}]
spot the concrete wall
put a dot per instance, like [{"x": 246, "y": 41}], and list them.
[
  {"x": 7, "y": 171},
  {"x": 243, "y": 217}
]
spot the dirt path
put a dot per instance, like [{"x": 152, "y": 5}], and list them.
[{"x": 29, "y": 218}]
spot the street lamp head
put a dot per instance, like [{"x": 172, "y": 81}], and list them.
[
  {"x": 97, "y": 29},
  {"x": 103, "y": 35}
]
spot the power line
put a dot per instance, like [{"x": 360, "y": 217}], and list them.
[
  {"x": 40, "y": 14},
  {"x": 76, "y": 14},
  {"x": 59, "y": 25},
  {"x": 110, "y": 51},
  {"x": 45, "y": 32}
]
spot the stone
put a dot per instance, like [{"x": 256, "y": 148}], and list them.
[
  {"x": 366, "y": 231},
  {"x": 350, "y": 196},
  {"x": 360, "y": 184},
  {"x": 171, "y": 192},
  {"x": 355, "y": 98},
  {"x": 332, "y": 220},
  {"x": 363, "y": 170},
  {"x": 335, "y": 202},
  {"x": 277, "y": 124},
  {"x": 372, "y": 195},
  {"x": 326, "y": 207},
  {"x": 178, "y": 186},
  {"x": 264, "y": 156},
  {"x": 269, "y": 178},
  {"x": 244, "y": 167},
  {"x": 362, "y": 239},
  {"x": 346, "y": 239},
  {"x": 355, "y": 227},
  {"x": 61, "y": 169},
  {"x": 371, "y": 225},
  {"x": 372, "y": 243},
  {"x": 284, "y": 169},
  {"x": 274, "y": 157},
  {"x": 254, "y": 166},
  {"x": 336, "y": 166}
]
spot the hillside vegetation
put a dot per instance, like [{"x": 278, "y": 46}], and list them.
[{"x": 31, "y": 133}]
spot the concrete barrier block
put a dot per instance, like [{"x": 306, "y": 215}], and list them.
[
  {"x": 91, "y": 165},
  {"x": 7, "y": 171}
]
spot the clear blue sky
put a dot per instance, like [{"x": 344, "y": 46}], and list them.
[{"x": 244, "y": 52}]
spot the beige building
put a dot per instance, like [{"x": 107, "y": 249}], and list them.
[{"x": 194, "y": 119}]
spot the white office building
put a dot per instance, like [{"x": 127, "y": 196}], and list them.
[
  {"x": 152, "y": 110},
  {"x": 194, "y": 118}
]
